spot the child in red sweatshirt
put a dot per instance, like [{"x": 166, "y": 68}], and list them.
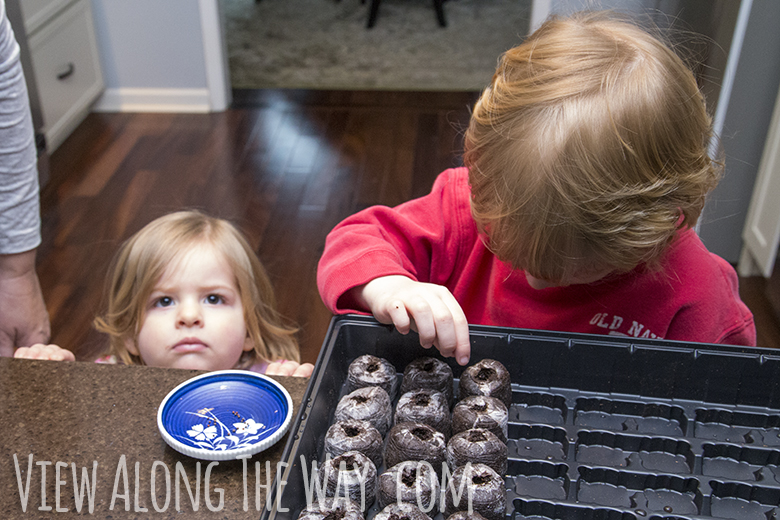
[{"x": 586, "y": 168}]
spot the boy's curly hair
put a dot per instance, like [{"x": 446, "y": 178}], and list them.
[{"x": 588, "y": 149}]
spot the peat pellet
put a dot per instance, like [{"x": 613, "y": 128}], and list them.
[
  {"x": 487, "y": 377},
  {"x": 354, "y": 435},
  {"x": 425, "y": 406},
  {"x": 368, "y": 370},
  {"x": 370, "y": 404},
  {"x": 415, "y": 441},
  {"x": 479, "y": 411},
  {"x": 431, "y": 373},
  {"x": 411, "y": 481},
  {"x": 477, "y": 445}
]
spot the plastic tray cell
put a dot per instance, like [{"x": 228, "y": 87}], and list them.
[
  {"x": 537, "y": 441},
  {"x": 744, "y": 463},
  {"x": 630, "y": 416},
  {"x": 744, "y": 501},
  {"x": 656, "y": 517},
  {"x": 538, "y": 407},
  {"x": 664, "y": 454},
  {"x": 538, "y": 479},
  {"x": 639, "y": 491},
  {"x": 545, "y": 510},
  {"x": 736, "y": 426}
]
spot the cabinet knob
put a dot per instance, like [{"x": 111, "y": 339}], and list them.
[{"x": 67, "y": 72}]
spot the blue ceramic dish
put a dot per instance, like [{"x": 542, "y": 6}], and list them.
[{"x": 225, "y": 415}]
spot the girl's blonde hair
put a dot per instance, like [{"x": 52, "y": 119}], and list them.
[
  {"x": 588, "y": 149},
  {"x": 141, "y": 261}
]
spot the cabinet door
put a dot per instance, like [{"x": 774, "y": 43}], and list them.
[
  {"x": 762, "y": 228},
  {"x": 67, "y": 70},
  {"x": 37, "y": 12}
]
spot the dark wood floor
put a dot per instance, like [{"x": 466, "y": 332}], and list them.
[{"x": 286, "y": 166}]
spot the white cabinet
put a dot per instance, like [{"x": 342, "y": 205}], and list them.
[
  {"x": 762, "y": 228},
  {"x": 65, "y": 61}
]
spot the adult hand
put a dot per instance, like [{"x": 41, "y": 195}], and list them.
[
  {"x": 427, "y": 308},
  {"x": 23, "y": 317},
  {"x": 49, "y": 352},
  {"x": 289, "y": 368}
]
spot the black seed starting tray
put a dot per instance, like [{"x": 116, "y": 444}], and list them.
[{"x": 600, "y": 427}]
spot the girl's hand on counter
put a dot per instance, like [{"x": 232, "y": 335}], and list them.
[
  {"x": 41, "y": 351},
  {"x": 289, "y": 368}
]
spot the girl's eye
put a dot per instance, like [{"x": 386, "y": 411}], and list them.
[
  {"x": 164, "y": 301},
  {"x": 214, "y": 299}
]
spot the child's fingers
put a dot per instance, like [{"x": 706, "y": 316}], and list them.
[
  {"x": 303, "y": 370},
  {"x": 63, "y": 355},
  {"x": 422, "y": 314},
  {"x": 453, "y": 332},
  {"x": 399, "y": 317},
  {"x": 48, "y": 352},
  {"x": 287, "y": 368},
  {"x": 462, "y": 352},
  {"x": 275, "y": 368},
  {"x": 23, "y": 353}
]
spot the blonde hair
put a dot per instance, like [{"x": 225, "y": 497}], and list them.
[
  {"x": 588, "y": 149},
  {"x": 141, "y": 261}
]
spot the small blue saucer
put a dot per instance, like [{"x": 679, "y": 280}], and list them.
[{"x": 225, "y": 415}]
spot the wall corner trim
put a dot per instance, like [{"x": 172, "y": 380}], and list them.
[{"x": 181, "y": 100}]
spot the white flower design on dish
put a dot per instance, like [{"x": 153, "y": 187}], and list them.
[
  {"x": 249, "y": 427},
  {"x": 202, "y": 433},
  {"x": 215, "y": 436}
]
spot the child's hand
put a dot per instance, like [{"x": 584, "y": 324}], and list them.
[
  {"x": 289, "y": 368},
  {"x": 428, "y": 308},
  {"x": 41, "y": 351}
]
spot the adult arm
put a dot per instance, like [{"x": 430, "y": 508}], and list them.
[{"x": 23, "y": 317}]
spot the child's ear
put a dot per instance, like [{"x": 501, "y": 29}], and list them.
[
  {"x": 249, "y": 345},
  {"x": 131, "y": 346}
]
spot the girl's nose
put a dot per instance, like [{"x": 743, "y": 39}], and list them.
[{"x": 189, "y": 314}]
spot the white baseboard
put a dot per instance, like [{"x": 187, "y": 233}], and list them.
[
  {"x": 190, "y": 100},
  {"x": 747, "y": 266}
]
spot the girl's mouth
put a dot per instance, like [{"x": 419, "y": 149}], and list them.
[{"x": 189, "y": 345}]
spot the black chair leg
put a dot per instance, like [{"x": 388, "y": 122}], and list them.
[
  {"x": 439, "y": 6},
  {"x": 373, "y": 13}
]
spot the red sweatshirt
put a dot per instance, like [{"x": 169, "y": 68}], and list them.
[{"x": 434, "y": 239}]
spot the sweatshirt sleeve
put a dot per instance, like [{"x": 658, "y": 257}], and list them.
[
  {"x": 418, "y": 239},
  {"x": 712, "y": 311}
]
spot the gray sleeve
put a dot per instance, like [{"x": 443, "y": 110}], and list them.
[{"x": 20, "y": 222}]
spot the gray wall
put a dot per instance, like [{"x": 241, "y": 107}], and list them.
[
  {"x": 745, "y": 130},
  {"x": 150, "y": 43}
]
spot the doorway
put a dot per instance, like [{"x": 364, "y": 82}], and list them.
[{"x": 325, "y": 44}]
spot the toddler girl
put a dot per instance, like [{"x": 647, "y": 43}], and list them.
[{"x": 187, "y": 291}]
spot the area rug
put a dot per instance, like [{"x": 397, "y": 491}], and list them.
[{"x": 325, "y": 44}]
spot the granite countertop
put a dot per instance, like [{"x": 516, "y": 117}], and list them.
[{"x": 88, "y": 416}]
